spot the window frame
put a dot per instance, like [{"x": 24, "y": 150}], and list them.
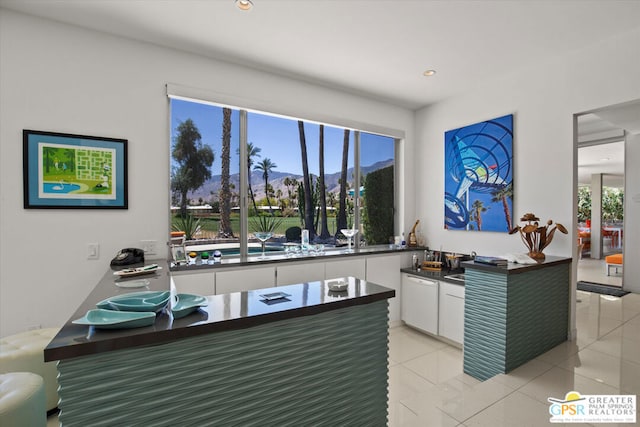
[{"x": 191, "y": 94}]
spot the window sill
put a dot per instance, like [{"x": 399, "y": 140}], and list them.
[{"x": 256, "y": 260}]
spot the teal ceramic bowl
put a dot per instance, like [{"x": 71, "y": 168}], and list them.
[
  {"x": 137, "y": 301},
  {"x": 186, "y": 304},
  {"x": 109, "y": 319}
]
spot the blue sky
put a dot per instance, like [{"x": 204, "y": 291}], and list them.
[{"x": 278, "y": 139}]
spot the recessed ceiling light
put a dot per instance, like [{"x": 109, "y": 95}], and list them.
[
  {"x": 605, "y": 159},
  {"x": 429, "y": 73},
  {"x": 244, "y": 4}
]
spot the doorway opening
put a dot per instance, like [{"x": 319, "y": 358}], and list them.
[{"x": 600, "y": 210}]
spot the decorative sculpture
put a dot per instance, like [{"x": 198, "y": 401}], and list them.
[
  {"x": 413, "y": 240},
  {"x": 537, "y": 237}
]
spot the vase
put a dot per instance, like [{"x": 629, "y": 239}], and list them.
[{"x": 538, "y": 256}]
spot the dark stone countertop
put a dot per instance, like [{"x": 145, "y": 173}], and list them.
[
  {"x": 237, "y": 310},
  {"x": 510, "y": 268},
  {"x": 436, "y": 274},
  {"x": 513, "y": 268}
]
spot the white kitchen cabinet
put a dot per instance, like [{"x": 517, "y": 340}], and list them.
[
  {"x": 385, "y": 270},
  {"x": 199, "y": 283},
  {"x": 420, "y": 303},
  {"x": 245, "y": 279},
  {"x": 289, "y": 274},
  {"x": 451, "y": 313},
  {"x": 351, "y": 266}
]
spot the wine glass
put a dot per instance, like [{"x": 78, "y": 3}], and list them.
[
  {"x": 263, "y": 236},
  {"x": 349, "y": 233}
]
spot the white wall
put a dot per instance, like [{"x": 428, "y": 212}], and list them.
[
  {"x": 631, "y": 269},
  {"x": 543, "y": 100},
  {"x": 60, "y": 78}
]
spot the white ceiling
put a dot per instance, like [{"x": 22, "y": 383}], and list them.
[
  {"x": 600, "y": 141},
  {"x": 607, "y": 159},
  {"x": 375, "y": 48}
]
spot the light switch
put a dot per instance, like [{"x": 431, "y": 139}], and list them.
[{"x": 93, "y": 251}]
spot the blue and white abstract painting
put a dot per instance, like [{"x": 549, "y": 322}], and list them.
[{"x": 479, "y": 176}]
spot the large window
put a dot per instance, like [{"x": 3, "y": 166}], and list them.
[
  {"x": 204, "y": 171},
  {"x": 280, "y": 177}
]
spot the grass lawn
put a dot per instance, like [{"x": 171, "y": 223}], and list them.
[{"x": 211, "y": 224}]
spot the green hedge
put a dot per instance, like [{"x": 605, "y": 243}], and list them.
[{"x": 378, "y": 206}]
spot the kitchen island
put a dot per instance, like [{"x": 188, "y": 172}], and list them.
[
  {"x": 316, "y": 357},
  {"x": 513, "y": 314}
]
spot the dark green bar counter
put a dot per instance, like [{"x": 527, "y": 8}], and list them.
[
  {"x": 317, "y": 357},
  {"x": 513, "y": 314}
]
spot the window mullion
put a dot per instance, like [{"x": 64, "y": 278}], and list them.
[
  {"x": 244, "y": 188},
  {"x": 356, "y": 185}
]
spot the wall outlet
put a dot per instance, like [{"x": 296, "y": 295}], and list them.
[
  {"x": 149, "y": 247},
  {"x": 93, "y": 251}
]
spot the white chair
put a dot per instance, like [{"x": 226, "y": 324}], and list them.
[
  {"x": 24, "y": 352},
  {"x": 22, "y": 400}
]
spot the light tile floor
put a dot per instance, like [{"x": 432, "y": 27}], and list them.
[
  {"x": 595, "y": 270},
  {"x": 428, "y": 388}
]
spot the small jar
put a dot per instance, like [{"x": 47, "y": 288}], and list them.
[
  {"x": 204, "y": 256},
  {"x": 217, "y": 257}
]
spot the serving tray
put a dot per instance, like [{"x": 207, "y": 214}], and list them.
[
  {"x": 186, "y": 304},
  {"x": 109, "y": 319},
  {"x": 137, "y": 301}
]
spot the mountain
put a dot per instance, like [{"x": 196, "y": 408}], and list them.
[{"x": 276, "y": 180}]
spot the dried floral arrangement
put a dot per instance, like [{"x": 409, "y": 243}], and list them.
[{"x": 535, "y": 236}]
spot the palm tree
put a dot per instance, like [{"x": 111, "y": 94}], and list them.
[
  {"x": 324, "y": 226},
  {"x": 341, "y": 221},
  {"x": 194, "y": 160},
  {"x": 224, "y": 229},
  {"x": 300, "y": 202},
  {"x": 476, "y": 212},
  {"x": 315, "y": 195},
  {"x": 331, "y": 199},
  {"x": 252, "y": 152},
  {"x": 308, "y": 206},
  {"x": 501, "y": 195},
  {"x": 234, "y": 194},
  {"x": 291, "y": 184},
  {"x": 266, "y": 166}
]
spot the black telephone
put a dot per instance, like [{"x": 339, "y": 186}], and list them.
[{"x": 128, "y": 256}]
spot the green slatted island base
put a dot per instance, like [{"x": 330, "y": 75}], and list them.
[
  {"x": 315, "y": 357},
  {"x": 513, "y": 314}
]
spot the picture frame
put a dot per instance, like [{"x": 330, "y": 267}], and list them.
[
  {"x": 478, "y": 176},
  {"x": 67, "y": 171},
  {"x": 179, "y": 254}
]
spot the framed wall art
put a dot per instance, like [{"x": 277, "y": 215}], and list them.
[
  {"x": 479, "y": 176},
  {"x": 68, "y": 171}
]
